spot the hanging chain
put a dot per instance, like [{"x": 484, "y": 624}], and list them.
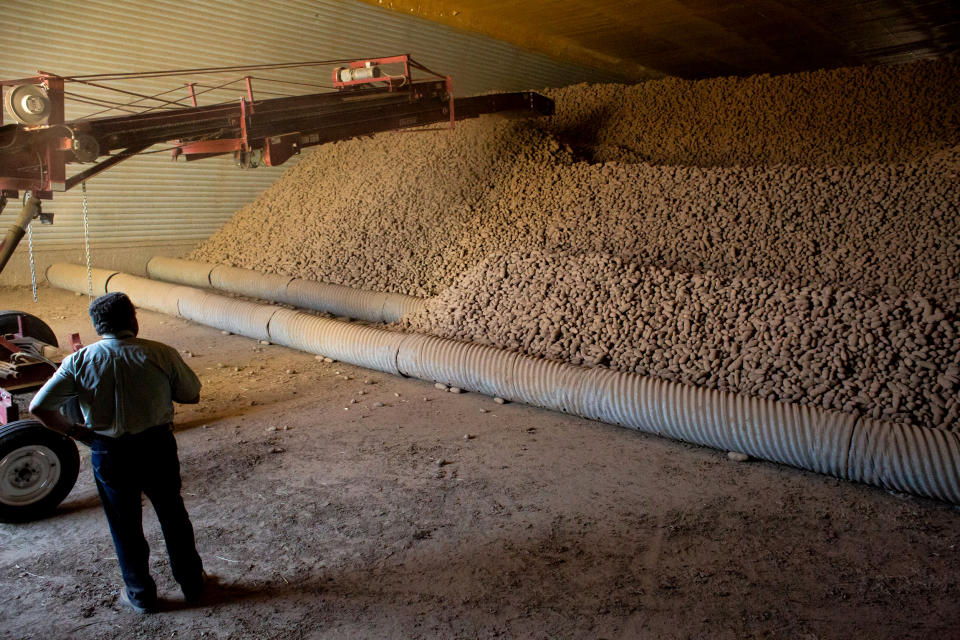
[
  {"x": 86, "y": 237},
  {"x": 33, "y": 268}
]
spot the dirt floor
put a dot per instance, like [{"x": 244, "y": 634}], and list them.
[{"x": 333, "y": 502}]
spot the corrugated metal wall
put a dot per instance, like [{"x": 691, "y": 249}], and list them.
[{"x": 149, "y": 204}]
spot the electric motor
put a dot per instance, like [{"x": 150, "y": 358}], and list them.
[{"x": 349, "y": 74}]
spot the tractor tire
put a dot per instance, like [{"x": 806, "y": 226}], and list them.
[
  {"x": 38, "y": 468},
  {"x": 33, "y": 327}
]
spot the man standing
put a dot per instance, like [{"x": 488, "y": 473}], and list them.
[{"x": 126, "y": 387}]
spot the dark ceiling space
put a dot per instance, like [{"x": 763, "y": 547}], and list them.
[{"x": 706, "y": 38}]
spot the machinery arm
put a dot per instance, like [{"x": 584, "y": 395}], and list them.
[
  {"x": 31, "y": 209},
  {"x": 35, "y": 152}
]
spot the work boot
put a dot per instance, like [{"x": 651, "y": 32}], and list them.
[
  {"x": 195, "y": 594},
  {"x": 139, "y": 608}
]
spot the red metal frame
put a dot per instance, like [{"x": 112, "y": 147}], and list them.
[
  {"x": 28, "y": 375},
  {"x": 244, "y": 121},
  {"x": 257, "y": 125},
  {"x": 9, "y": 346},
  {"x": 19, "y": 170},
  {"x": 208, "y": 148},
  {"x": 279, "y": 149},
  {"x": 278, "y": 127},
  {"x": 56, "y": 158}
]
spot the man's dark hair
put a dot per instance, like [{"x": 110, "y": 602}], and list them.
[{"x": 113, "y": 313}]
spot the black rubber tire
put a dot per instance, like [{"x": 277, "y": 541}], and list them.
[
  {"x": 33, "y": 326},
  {"x": 21, "y": 436}
]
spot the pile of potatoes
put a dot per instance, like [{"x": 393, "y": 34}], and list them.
[
  {"x": 794, "y": 237},
  {"x": 891, "y": 358}
]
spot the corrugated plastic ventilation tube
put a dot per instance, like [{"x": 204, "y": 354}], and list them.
[
  {"x": 894, "y": 456},
  {"x": 372, "y": 306}
]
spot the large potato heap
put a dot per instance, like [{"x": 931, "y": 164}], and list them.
[
  {"x": 795, "y": 237},
  {"x": 836, "y": 348}
]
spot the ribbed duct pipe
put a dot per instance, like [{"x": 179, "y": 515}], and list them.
[
  {"x": 894, "y": 456},
  {"x": 372, "y": 306},
  {"x": 66, "y": 276},
  {"x": 156, "y": 296}
]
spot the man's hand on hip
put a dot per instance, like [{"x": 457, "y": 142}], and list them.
[
  {"x": 54, "y": 420},
  {"x": 81, "y": 434}
]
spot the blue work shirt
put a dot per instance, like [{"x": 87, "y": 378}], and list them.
[{"x": 124, "y": 384}]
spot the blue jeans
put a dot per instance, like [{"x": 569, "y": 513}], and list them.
[{"x": 125, "y": 468}]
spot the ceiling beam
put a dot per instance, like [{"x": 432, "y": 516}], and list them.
[{"x": 474, "y": 17}]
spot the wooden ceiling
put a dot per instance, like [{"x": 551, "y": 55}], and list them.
[{"x": 704, "y": 38}]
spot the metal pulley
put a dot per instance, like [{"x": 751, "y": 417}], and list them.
[
  {"x": 85, "y": 147},
  {"x": 28, "y": 104}
]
